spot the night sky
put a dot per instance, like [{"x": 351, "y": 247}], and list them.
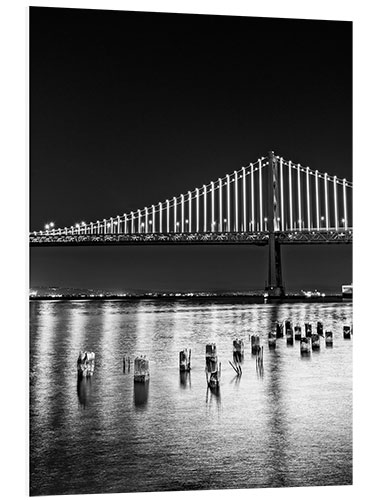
[{"x": 129, "y": 109}]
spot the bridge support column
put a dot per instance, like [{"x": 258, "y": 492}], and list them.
[{"x": 274, "y": 286}]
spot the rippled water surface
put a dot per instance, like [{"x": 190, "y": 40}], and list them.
[{"x": 290, "y": 425}]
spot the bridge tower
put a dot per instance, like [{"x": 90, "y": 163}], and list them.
[{"x": 274, "y": 285}]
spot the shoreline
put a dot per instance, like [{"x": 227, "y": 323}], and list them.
[{"x": 213, "y": 298}]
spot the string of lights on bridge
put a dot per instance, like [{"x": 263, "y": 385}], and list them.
[{"x": 238, "y": 202}]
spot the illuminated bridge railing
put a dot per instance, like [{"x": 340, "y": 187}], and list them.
[{"x": 249, "y": 238}]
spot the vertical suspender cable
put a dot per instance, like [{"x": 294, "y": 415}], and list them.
[
  {"x": 212, "y": 207},
  {"x": 345, "y": 206},
  {"x": 252, "y": 198},
  {"x": 260, "y": 196},
  {"x": 282, "y": 195},
  {"x": 244, "y": 199},
  {"x": 236, "y": 199},
  {"x": 228, "y": 203},
  {"x": 335, "y": 202},
  {"x": 308, "y": 197},
  {"x": 326, "y": 199},
  {"x": 167, "y": 201},
  {"x": 290, "y": 198},
  {"x": 189, "y": 211},
  {"x": 317, "y": 200},
  {"x": 204, "y": 208},
  {"x": 220, "y": 205},
  {"x": 197, "y": 208},
  {"x": 182, "y": 213},
  {"x": 299, "y": 196}
]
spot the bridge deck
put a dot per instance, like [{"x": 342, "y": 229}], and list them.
[{"x": 212, "y": 238}]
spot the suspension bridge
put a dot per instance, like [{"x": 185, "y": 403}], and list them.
[{"x": 270, "y": 202}]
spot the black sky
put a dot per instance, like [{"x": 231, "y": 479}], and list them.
[{"x": 129, "y": 109}]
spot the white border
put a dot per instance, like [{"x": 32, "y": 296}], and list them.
[{"x": 14, "y": 206}]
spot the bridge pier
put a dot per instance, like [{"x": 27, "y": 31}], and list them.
[{"x": 274, "y": 287}]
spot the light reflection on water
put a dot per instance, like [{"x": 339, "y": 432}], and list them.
[{"x": 288, "y": 425}]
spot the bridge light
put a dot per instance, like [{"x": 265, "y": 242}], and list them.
[
  {"x": 83, "y": 223},
  {"x": 46, "y": 226},
  {"x": 322, "y": 217},
  {"x": 108, "y": 224},
  {"x": 77, "y": 225},
  {"x": 265, "y": 219},
  {"x": 51, "y": 224}
]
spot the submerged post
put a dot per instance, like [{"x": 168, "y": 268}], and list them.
[{"x": 274, "y": 285}]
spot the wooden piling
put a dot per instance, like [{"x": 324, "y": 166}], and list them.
[
  {"x": 279, "y": 329},
  {"x": 141, "y": 369},
  {"x": 238, "y": 351},
  {"x": 255, "y": 344},
  {"x": 308, "y": 329},
  {"x": 85, "y": 364},
  {"x": 213, "y": 367},
  {"x": 315, "y": 341},
  {"x": 288, "y": 325},
  {"x": 289, "y": 336},
  {"x": 272, "y": 340},
  {"x": 126, "y": 364},
  {"x": 347, "y": 332},
  {"x": 319, "y": 328},
  {"x": 184, "y": 360},
  {"x": 305, "y": 346},
  {"x": 329, "y": 338},
  {"x": 259, "y": 362},
  {"x": 297, "y": 332}
]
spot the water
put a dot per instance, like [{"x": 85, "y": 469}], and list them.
[{"x": 288, "y": 426}]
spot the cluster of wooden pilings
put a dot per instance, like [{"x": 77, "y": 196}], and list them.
[{"x": 309, "y": 340}]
